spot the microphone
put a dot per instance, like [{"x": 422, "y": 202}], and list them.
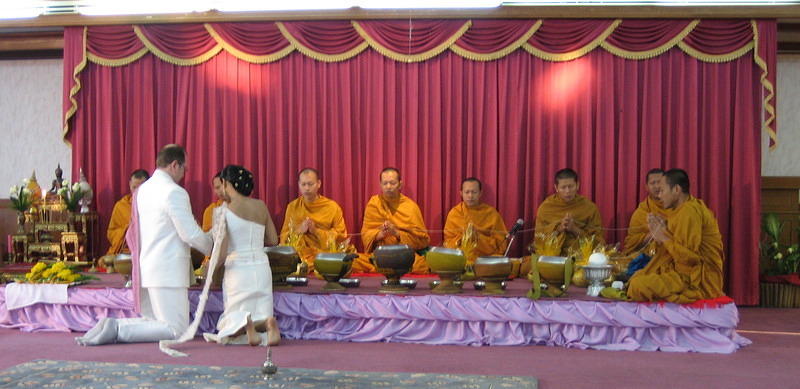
[
  {"x": 512, "y": 234},
  {"x": 516, "y": 227}
]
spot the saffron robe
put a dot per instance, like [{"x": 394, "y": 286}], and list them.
[
  {"x": 638, "y": 228},
  {"x": 118, "y": 226},
  {"x": 688, "y": 267},
  {"x": 406, "y": 216},
  {"x": 583, "y": 211},
  {"x": 328, "y": 220},
  {"x": 208, "y": 215},
  {"x": 490, "y": 230}
]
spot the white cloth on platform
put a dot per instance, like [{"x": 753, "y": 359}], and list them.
[
  {"x": 247, "y": 285},
  {"x": 19, "y": 295}
]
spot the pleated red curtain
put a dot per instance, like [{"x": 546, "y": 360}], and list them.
[{"x": 512, "y": 122}]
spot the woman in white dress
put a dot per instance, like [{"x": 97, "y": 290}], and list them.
[{"x": 247, "y": 284}]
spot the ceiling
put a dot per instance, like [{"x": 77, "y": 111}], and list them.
[{"x": 41, "y": 37}]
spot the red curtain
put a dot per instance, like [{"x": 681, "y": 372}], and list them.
[{"x": 512, "y": 122}]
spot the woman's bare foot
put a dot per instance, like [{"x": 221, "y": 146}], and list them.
[
  {"x": 252, "y": 336},
  {"x": 273, "y": 332}
]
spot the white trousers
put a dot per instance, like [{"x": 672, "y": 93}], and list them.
[{"x": 165, "y": 315}]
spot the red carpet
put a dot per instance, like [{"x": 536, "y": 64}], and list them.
[{"x": 771, "y": 361}]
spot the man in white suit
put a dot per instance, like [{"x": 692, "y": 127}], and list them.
[{"x": 166, "y": 230}]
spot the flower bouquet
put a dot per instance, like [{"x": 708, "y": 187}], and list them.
[
  {"x": 71, "y": 195},
  {"x": 21, "y": 198},
  {"x": 57, "y": 273}
]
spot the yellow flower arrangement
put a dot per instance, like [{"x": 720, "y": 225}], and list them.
[
  {"x": 332, "y": 246},
  {"x": 548, "y": 244},
  {"x": 293, "y": 237},
  {"x": 57, "y": 273},
  {"x": 469, "y": 242}
]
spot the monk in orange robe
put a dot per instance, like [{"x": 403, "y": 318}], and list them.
[
  {"x": 315, "y": 221},
  {"x": 638, "y": 237},
  {"x": 568, "y": 215},
  {"x": 392, "y": 218},
  {"x": 121, "y": 216},
  {"x": 688, "y": 262},
  {"x": 219, "y": 193},
  {"x": 490, "y": 231}
]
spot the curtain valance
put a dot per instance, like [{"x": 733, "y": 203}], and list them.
[{"x": 420, "y": 40}]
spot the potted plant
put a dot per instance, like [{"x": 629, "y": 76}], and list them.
[{"x": 780, "y": 283}]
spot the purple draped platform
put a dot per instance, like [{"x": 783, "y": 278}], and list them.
[{"x": 468, "y": 319}]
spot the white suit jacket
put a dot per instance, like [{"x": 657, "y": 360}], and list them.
[{"x": 166, "y": 230}]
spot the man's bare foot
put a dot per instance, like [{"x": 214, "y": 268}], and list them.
[
  {"x": 252, "y": 336},
  {"x": 273, "y": 332}
]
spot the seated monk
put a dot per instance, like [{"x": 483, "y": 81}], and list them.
[
  {"x": 638, "y": 237},
  {"x": 314, "y": 221},
  {"x": 568, "y": 215},
  {"x": 489, "y": 230},
  {"x": 121, "y": 216},
  {"x": 687, "y": 265},
  {"x": 392, "y": 218},
  {"x": 219, "y": 193}
]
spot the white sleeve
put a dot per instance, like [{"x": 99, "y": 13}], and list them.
[{"x": 180, "y": 211}]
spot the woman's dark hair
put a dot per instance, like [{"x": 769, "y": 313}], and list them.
[{"x": 239, "y": 177}]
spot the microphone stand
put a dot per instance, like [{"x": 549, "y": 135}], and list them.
[{"x": 510, "y": 243}]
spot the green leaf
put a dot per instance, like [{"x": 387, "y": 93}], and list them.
[{"x": 772, "y": 226}]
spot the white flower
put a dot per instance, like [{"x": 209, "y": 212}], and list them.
[
  {"x": 65, "y": 183},
  {"x": 778, "y": 256},
  {"x": 26, "y": 191},
  {"x": 76, "y": 186},
  {"x": 790, "y": 250},
  {"x": 62, "y": 191},
  {"x": 14, "y": 191},
  {"x": 25, "y": 181},
  {"x": 775, "y": 244}
]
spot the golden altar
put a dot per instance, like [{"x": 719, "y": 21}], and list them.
[{"x": 53, "y": 233}]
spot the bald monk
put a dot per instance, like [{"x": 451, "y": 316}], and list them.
[
  {"x": 219, "y": 193},
  {"x": 490, "y": 231},
  {"x": 392, "y": 218},
  {"x": 316, "y": 219},
  {"x": 638, "y": 231},
  {"x": 567, "y": 214},
  {"x": 687, "y": 265},
  {"x": 121, "y": 215}
]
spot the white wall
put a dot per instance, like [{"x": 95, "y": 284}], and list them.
[
  {"x": 785, "y": 159},
  {"x": 30, "y": 123}
]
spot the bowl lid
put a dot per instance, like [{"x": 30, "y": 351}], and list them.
[
  {"x": 492, "y": 259},
  {"x": 286, "y": 250},
  {"x": 392, "y": 248},
  {"x": 552, "y": 259},
  {"x": 335, "y": 256},
  {"x": 446, "y": 250}
]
